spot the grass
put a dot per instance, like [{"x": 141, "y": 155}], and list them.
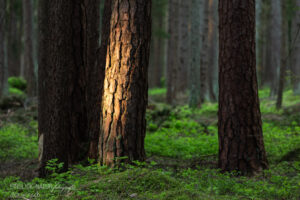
[{"x": 181, "y": 146}]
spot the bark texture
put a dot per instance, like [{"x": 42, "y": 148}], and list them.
[
  {"x": 125, "y": 85},
  {"x": 28, "y": 47},
  {"x": 68, "y": 44},
  {"x": 241, "y": 145}
]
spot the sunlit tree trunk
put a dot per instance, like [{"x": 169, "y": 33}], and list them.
[
  {"x": 28, "y": 47},
  {"x": 241, "y": 145},
  {"x": 172, "y": 65},
  {"x": 124, "y": 100},
  {"x": 2, "y": 45}
]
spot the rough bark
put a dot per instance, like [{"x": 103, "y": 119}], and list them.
[
  {"x": 241, "y": 145},
  {"x": 296, "y": 51},
  {"x": 28, "y": 47},
  {"x": 276, "y": 33},
  {"x": 125, "y": 93},
  {"x": 68, "y": 43},
  {"x": 2, "y": 45},
  {"x": 172, "y": 63},
  {"x": 184, "y": 46},
  {"x": 194, "y": 70}
]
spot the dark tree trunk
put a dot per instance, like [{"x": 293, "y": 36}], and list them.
[
  {"x": 95, "y": 89},
  {"x": 2, "y": 45},
  {"x": 67, "y": 47},
  {"x": 241, "y": 145},
  {"x": 28, "y": 47},
  {"x": 125, "y": 86}
]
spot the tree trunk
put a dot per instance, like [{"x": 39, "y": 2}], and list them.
[
  {"x": 204, "y": 54},
  {"x": 2, "y": 46},
  {"x": 28, "y": 48},
  {"x": 276, "y": 32},
  {"x": 172, "y": 65},
  {"x": 284, "y": 59},
  {"x": 241, "y": 145},
  {"x": 68, "y": 43},
  {"x": 184, "y": 46},
  {"x": 14, "y": 39},
  {"x": 195, "y": 52},
  {"x": 95, "y": 88},
  {"x": 125, "y": 92},
  {"x": 212, "y": 49},
  {"x": 296, "y": 51}
]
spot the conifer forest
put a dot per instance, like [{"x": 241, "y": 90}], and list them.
[{"x": 150, "y": 99}]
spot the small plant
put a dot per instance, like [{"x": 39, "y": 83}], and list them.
[{"x": 18, "y": 83}]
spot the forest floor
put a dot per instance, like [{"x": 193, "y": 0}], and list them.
[{"x": 181, "y": 146}]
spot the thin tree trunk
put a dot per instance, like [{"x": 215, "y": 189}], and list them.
[
  {"x": 195, "y": 52},
  {"x": 2, "y": 46},
  {"x": 124, "y": 99},
  {"x": 212, "y": 48},
  {"x": 241, "y": 145},
  {"x": 284, "y": 59},
  {"x": 28, "y": 47},
  {"x": 296, "y": 51},
  {"x": 184, "y": 46},
  {"x": 14, "y": 39},
  {"x": 172, "y": 65},
  {"x": 276, "y": 34},
  {"x": 204, "y": 54}
]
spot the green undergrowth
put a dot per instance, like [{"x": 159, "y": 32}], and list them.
[{"x": 181, "y": 146}]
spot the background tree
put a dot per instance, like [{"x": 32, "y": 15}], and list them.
[
  {"x": 276, "y": 34},
  {"x": 14, "y": 37},
  {"x": 195, "y": 52},
  {"x": 241, "y": 145},
  {"x": 296, "y": 50},
  {"x": 125, "y": 86},
  {"x": 2, "y": 46},
  {"x": 173, "y": 62},
  {"x": 28, "y": 47}
]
